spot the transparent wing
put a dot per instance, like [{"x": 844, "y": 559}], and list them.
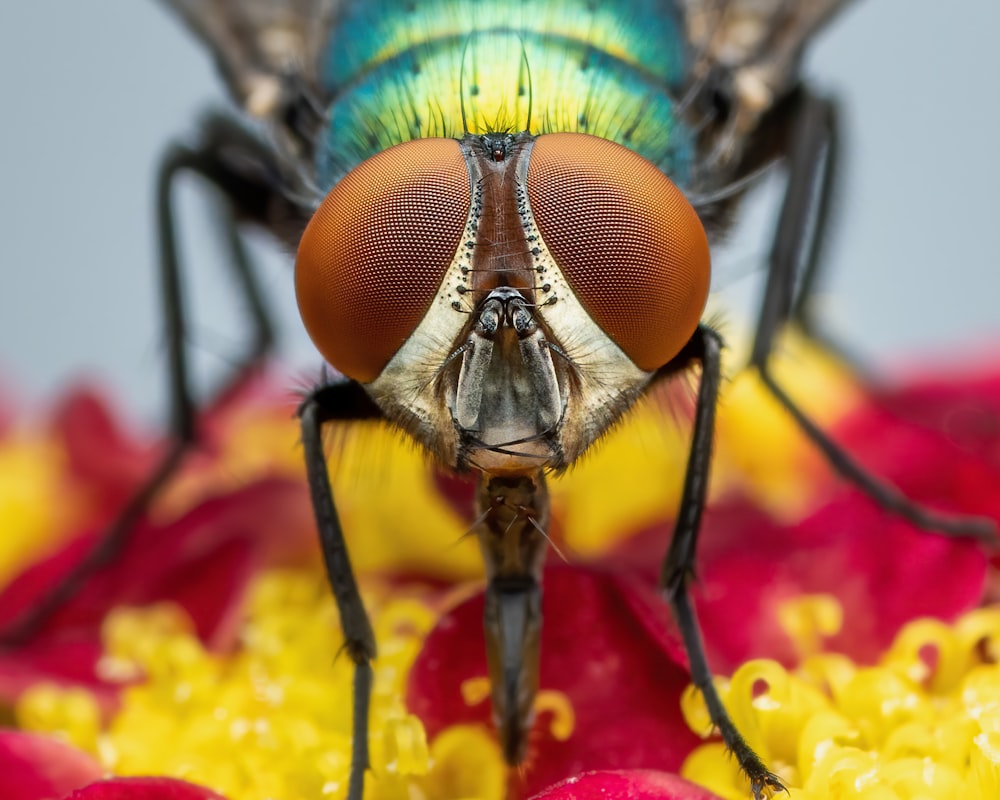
[
  {"x": 767, "y": 36},
  {"x": 755, "y": 47},
  {"x": 268, "y": 51}
]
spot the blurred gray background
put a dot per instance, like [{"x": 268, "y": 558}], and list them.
[{"x": 92, "y": 92}]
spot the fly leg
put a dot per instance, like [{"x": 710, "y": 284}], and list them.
[
  {"x": 237, "y": 166},
  {"x": 679, "y": 565},
  {"x": 343, "y": 401},
  {"x": 798, "y": 239},
  {"x": 803, "y": 307}
]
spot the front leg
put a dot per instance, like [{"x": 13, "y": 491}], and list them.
[
  {"x": 678, "y": 566},
  {"x": 344, "y": 401}
]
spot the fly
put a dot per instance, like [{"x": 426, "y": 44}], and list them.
[{"x": 503, "y": 214}]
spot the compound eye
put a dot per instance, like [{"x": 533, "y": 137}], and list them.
[
  {"x": 627, "y": 240},
  {"x": 375, "y": 253}
]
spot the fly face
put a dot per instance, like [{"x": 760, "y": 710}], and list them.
[{"x": 544, "y": 280}]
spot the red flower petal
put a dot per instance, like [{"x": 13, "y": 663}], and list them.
[
  {"x": 202, "y": 561},
  {"x": 459, "y": 491},
  {"x": 965, "y": 409},
  {"x": 112, "y": 462},
  {"x": 636, "y": 784},
  {"x": 605, "y": 645},
  {"x": 40, "y": 768},
  {"x": 939, "y": 443},
  {"x": 878, "y": 567},
  {"x": 144, "y": 789}
]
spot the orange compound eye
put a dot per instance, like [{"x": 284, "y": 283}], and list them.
[
  {"x": 375, "y": 252},
  {"x": 627, "y": 240}
]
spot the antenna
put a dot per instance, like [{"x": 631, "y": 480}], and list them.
[
  {"x": 461, "y": 83},
  {"x": 531, "y": 88}
]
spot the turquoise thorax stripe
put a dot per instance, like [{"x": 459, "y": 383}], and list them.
[{"x": 405, "y": 69}]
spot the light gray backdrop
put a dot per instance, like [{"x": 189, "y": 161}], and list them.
[{"x": 92, "y": 91}]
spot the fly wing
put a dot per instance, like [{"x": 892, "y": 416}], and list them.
[
  {"x": 268, "y": 51},
  {"x": 757, "y": 46},
  {"x": 765, "y": 35}
]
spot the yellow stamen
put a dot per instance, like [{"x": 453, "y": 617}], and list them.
[
  {"x": 924, "y": 723},
  {"x": 72, "y": 713},
  {"x": 563, "y": 719},
  {"x": 808, "y": 619},
  {"x": 466, "y": 764},
  {"x": 475, "y": 690}
]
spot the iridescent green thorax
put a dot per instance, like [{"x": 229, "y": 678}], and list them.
[{"x": 407, "y": 69}]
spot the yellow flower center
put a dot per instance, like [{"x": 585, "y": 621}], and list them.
[
  {"x": 274, "y": 718},
  {"x": 922, "y": 724}
]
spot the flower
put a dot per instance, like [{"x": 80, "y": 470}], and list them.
[{"x": 210, "y": 645}]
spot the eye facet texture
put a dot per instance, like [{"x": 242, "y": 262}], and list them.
[
  {"x": 627, "y": 240},
  {"x": 375, "y": 252}
]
